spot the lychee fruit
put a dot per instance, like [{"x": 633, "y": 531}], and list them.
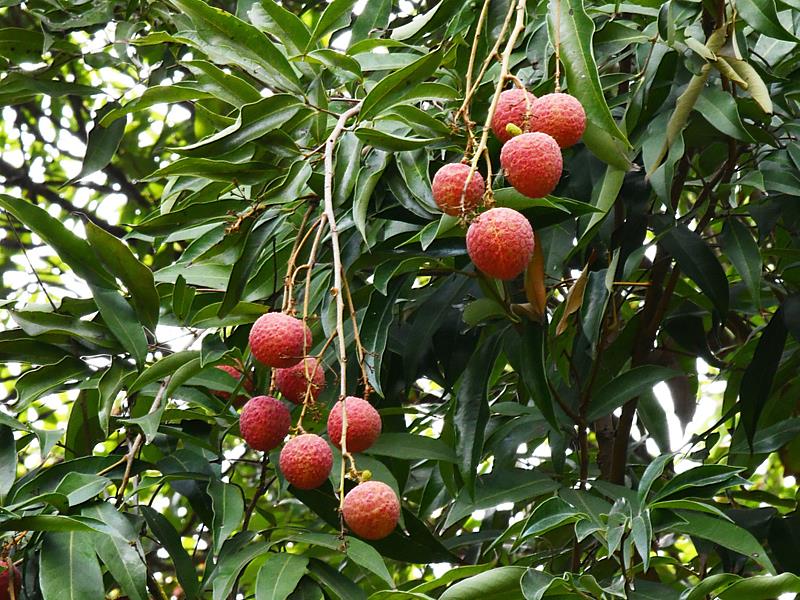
[
  {"x": 5, "y": 582},
  {"x": 448, "y": 186},
  {"x": 532, "y": 163},
  {"x": 279, "y": 340},
  {"x": 236, "y": 373},
  {"x": 371, "y": 510},
  {"x": 500, "y": 243},
  {"x": 561, "y": 116},
  {"x": 306, "y": 461},
  {"x": 363, "y": 424},
  {"x": 513, "y": 106},
  {"x": 293, "y": 383},
  {"x": 264, "y": 422}
]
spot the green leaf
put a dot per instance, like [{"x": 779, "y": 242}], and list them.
[
  {"x": 719, "y": 109},
  {"x": 70, "y": 248},
  {"x": 548, "y": 515},
  {"x": 368, "y": 176},
  {"x": 101, "y": 144},
  {"x": 583, "y": 81},
  {"x": 279, "y": 576},
  {"x": 394, "y": 88},
  {"x": 109, "y": 386},
  {"x": 359, "y": 552},
  {"x": 81, "y": 487},
  {"x": 171, "y": 542},
  {"x": 376, "y": 18},
  {"x": 254, "y": 121},
  {"x": 121, "y": 320},
  {"x": 725, "y": 534},
  {"x": 163, "y": 368},
  {"x": 391, "y": 142},
  {"x": 232, "y": 41},
  {"x": 754, "y": 391},
  {"x": 510, "y": 485},
  {"x": 625, "y": 387},
  {"x": 338, "y": 585},
  {"x": 125, "y": 564},
  {"x": 653, "y": 471},
  {"x": 699, "y": 477},
  {"x": 412, "y": 447},
  {"x": 348, "y": 162},
  {"x": 740, "y": 247},
  {"x": 228, "y": 505},
  {"x": 471, "y": 409},
  {"x": 501, "y": 583},
  {"x": 525, "y": 349},
  {"x": 285, "y": 25},
  {"x": 762, "y": 16},
  {"x": 8, "y": 460},
  {"x": 34, "y": 384},
  {"x": 696, "y": 259},
  {"x": 137, "y": 278},
  {"x": 451, "y": 575},
  {"x": 762, "y": 587},
  {"x": 336, "y": 15},
  {"x": 69, "y": 569}
]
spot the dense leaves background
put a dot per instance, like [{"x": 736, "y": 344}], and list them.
[{"x": 160, "y": 160}]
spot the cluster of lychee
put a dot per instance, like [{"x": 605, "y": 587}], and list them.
[
  {"x": 280, "y": 341},
  {"x": 533, "y": 131}
]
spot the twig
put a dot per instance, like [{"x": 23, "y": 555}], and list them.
[
  {"x": 519, "y": 27},
  {"x": 137, "y": 443},
  {"x": 28, "y": 259}
]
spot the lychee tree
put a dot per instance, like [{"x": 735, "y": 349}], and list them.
[{"x": 418, "y": 299}]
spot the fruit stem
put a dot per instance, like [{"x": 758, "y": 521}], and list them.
[
  {"x": 519, "y": 27},
  {"x": 288, "y": 282},
  {"x": 338, "y": 272},
  {"x": 557, "y": 35},
  {"x": 473, "y": 52}
]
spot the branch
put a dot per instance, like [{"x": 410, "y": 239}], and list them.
[
  {"x": 336, "y": 290},
  {"x": 20, "y": 177}
]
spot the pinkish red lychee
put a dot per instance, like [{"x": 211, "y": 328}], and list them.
[
  {"x": 561, "y": 116},
  {"x": 279, "y": 340},
  {"x": 264, "y": 422},
  {"x": 448, "y": 188},
  {"x": 500, "y": 243},
  {"x": 5, "y": 582},
  {"x": 371, "y": 510},
  {"x": 513, "y": 106},
  {"x": 236, "y": 373},
  {"x": 293, "y": 382},
  {"x": 306, "y": 461},
  {"x": 363, "y": 424},
  {"x": 532, "y": 163}
]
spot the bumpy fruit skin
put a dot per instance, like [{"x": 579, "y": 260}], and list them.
[
  {"x": 264, "y": 422},
  {"x": 363, "y": 424},
  {"x": 292, "y": 382},
  {"x": 306, "y": 461},
  {"x": 247, "y": 384},
  {"x": 561, "y": 116},
  {"x": 5, "y": 582},
  {"x": 532, "y": 163},
  {"x": 448, "y": 185},
  {"x": 371, "y": 510},
  {"x": 512, "y": 107},
  {"x": 279, "y": 340},
  {"x": 500, "y": 243}
]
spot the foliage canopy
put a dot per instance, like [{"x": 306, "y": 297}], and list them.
[{"x": 172, "y": 170}]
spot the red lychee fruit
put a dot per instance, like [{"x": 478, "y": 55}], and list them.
[
  {"x": 363, "y": 424},
  {"x": 264, "y": 422},
  {"x": 5, "y": 582},
  {"x": 371, "y": 510},
  {"x": 247, "y": 384},
  {"x": 513, "y": 106},
  {"x": 306, "y": 461},
  {"x": 292, "y": 382},
  {"x": 532, "y": 163},
  {"x": 561, "y": 116},
  {"x": 279, "y": 340},
  {"x": 448, "y": 185},
  {"x": 500, "y": 243}
]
